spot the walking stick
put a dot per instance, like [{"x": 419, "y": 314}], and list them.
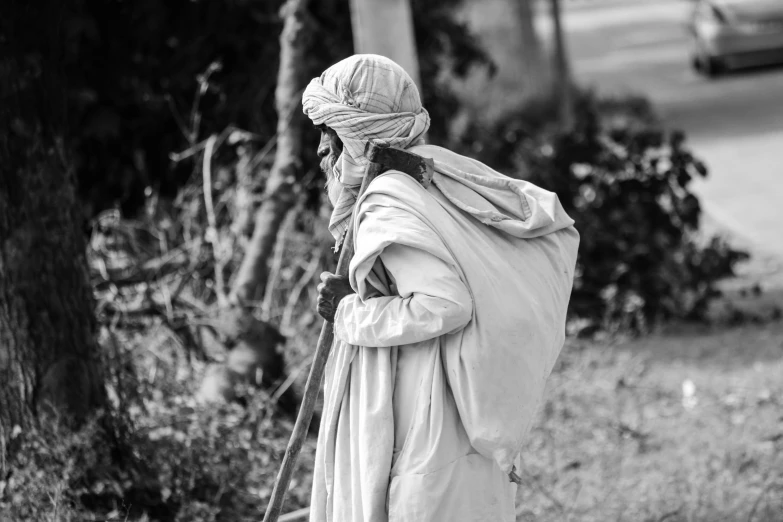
[{"x": 381, "y": 158}]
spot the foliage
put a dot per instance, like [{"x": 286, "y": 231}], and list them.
[
  {"x": 177, "y": 460},
  {"x": 628, "y": 185},
  {"x": 142, "y": 81}
]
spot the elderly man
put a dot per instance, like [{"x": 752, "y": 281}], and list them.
[{"x": 448, "y": 325}]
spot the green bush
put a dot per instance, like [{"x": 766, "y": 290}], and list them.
[{"x": 627, "y": 184}]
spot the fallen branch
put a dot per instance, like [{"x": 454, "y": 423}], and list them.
[{"x": 155, "y": 268}]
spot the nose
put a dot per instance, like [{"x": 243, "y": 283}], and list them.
[{"x": 323, "y": 146}]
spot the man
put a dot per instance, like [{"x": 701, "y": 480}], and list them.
[{"x": 448, "y": 325}]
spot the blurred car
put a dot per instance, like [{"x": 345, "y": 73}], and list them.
[{"x": 736, "y": 33}]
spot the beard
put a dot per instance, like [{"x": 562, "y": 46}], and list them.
[{"x": 327, "y": 167}]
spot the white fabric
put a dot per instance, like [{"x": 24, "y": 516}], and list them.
[
  {"x": 363, "y": 97},
  {"x": 430, "y": 412}
]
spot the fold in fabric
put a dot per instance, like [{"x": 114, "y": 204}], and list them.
[{"x": 428, "y": 429}]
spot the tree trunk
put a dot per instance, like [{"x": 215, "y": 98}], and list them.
[
  {"x": 562, "y": 71},
  {"x": 385, "y": 27},
  {"x": 236, "y": 322},
  {"x": 49, "y": 360},
  {"x": 536, "y": 70},
  {"x": 286, "y": 170}
]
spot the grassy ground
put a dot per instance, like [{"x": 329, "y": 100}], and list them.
[{"x": 620, "y": 438}]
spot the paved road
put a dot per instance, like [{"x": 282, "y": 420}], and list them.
[{"x": 735, "y": 123}]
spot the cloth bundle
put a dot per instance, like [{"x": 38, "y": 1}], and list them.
[{"x": 514, "y": 248}]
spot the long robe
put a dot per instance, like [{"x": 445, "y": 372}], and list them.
[{"x": 393, "y": 443}]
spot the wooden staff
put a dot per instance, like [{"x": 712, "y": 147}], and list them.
[{"x": 419, "y": 168}]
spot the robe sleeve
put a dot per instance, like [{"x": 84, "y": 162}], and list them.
[{"x": 431, "y": 301}]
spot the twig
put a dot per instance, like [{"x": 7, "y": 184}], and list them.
[
  {"x": 756, "y": 504},
  {"x": 167, "y": 302},
  {"x": 296, "y": 291},
  {"x": 203, "y": 87},
  {"x": 176, "y": 157},
  {"x": 273, "y": 141},
  {"x": 177, "y": 117},
  {"x": 212, "y": 231},
  {"x": 155, "y": 268},
  {"x": 625, "y": 430},
  {"x": 670, "y": 514},
  {"x": 543, "y": 490},
  {"x": 292, "y": 376},
  {"x": 299, "y": 514},
  {"x": 262, "y": 153},
  {"x": 198, "y": 147},
  {"x": 185, "y": 278},
  {"x": 274, "y": 269}
]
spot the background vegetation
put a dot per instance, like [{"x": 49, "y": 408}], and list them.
[{"x": 166, "y": 114}]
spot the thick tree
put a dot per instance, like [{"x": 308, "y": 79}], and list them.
[
  {"x": 562, "y": 69},
  {"x": 48, "y": 353},
  {"x": 536, "y": 69},
  {"x": 287, "y": 168},
  {"x": 385, "y": 27}
]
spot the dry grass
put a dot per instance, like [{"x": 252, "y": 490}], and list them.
[{"x": 616, "y": 440}]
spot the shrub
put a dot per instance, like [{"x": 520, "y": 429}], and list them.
[
  {"x": 144, "y": 80},
  {"x": 172, "y": 459},
  {"x": 627, "y": 184}
]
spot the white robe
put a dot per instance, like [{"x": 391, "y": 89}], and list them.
[{"x": 393, "y": 444}]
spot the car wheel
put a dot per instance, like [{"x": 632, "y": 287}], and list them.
[
  {"x": 696, "y": 64},
  {"x": 709, "y": 66},
  {"x": 713, "y": 66}
]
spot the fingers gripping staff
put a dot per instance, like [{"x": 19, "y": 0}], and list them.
[
  {"x": 330, "y": 292},
  {"x": 333, "y": 288}
]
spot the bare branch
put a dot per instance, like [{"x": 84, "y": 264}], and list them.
[
  {"x": 274, "y": 269},
  {"x": 296, "y": 291},
  {"x": 212, "y": 230}
]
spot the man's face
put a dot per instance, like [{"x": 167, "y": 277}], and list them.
[{"x": 329, "y": 149}]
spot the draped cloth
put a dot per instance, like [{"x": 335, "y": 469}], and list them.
[
  {"x": 364, "y": 97},
  {"x": 441, "y": 356}
]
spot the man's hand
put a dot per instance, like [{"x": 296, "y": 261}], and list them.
[{"x": 330, "y": 292}]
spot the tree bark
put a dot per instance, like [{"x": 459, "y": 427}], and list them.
[
  {"x": 237, "y": 323},
  {"x": 536, "y": 70},
  {"x": 562, "y": 71},
  {"x": 385, "y": 27},
  {"x": 49, "y": 359},
  {"x": 286, "y": 170}
]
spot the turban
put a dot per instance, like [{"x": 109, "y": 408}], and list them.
[{"x": 363, "y": 98}]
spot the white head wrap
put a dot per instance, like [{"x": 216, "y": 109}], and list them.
[{"x": 364, "y": 97}]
